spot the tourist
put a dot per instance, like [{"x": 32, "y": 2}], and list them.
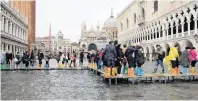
[
  {"x": 62, "y": 60},
  {"x": 18, "y": 57},
  {"x": 193, "y": 59},
  {"x": 47, "y": 57},
  {"x": 67, "y": 57},
  {"x": 140, "y": 61},
  {"x": 100, "y": 64},
  {"x": 92, "y": 59},
  {"x": 96, "y": 59},
  {"x": 130, "y": 54},
  {"x": 110, "y": 56},
  {"x": 74, "y": 58},
  {"x": 124, "y": 60},
  {"x": 81, "y": 58},
  {"x": 40, "y": 58},
  {"x": 89, "y": 60},
  {"x": 117, "y": 64},
  {"x": 27, "y": 59},
  {"x": 119, "y": 58},
  {"x": 185, "y": 60},
  {"x": 160, "y": 54},
  {"x": 171, "y": 59}
]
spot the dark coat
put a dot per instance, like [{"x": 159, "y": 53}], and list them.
[
  {"x": 185, "y": 58},
  {"x": 131, "y": 53},
  {"x": 140, "y": 57},
  {"x": 110, "y": 52}
]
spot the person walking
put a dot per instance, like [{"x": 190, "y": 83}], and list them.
[
  {"x": 47, "y": 58},
  {"x": 140, "y": 61},
  {"x": 120, "y": 56},
  {"x": 160, "y": 54},
  {"x": 89, "y": 59},
  {"x": 130, "y": 54},
  {"x": 27, "y": 59},
  {"x": 185, "y": 60},
  {"x": 193, "y": 59},
  {"x": 171, "y": 59},
  {"x": 110, "y": 55},
  {"x": 81, "y": 58},
  {"x": 40, "y": 58},
  {"x": 18, "y": 57}
]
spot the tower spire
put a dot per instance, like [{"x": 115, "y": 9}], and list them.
[{"x": 111, "y": 13}]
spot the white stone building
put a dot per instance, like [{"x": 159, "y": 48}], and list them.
[
  {"x": 58, "y": 43},
  {"x": 166, "y": 23},
  {"x": 14, "y": 30},
  {"x": 95, "y": 39}
]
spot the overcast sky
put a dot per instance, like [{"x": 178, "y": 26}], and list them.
[{"x": 67, "y": 15}]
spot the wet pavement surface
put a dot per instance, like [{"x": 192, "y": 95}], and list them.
[{"x": 84, "y": 85}]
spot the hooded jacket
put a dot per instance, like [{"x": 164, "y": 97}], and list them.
[
  {"x": 185, "y": 58},
  {"x": 110, "y": 52}
]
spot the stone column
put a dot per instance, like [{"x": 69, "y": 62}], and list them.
[
  {"x": 159, "y": 31},
  {"x": 2, "y": 23},
  {"x": 6, "y": 28},
  {"x": 155, "y": 34},
  {"x": 171, "y": 30},
  {"x": 6, "y": 47},
  {"x": 177, "y": 29},
  {"x": 150, "y": 57},
  {"x": 163, "y": 32},
  {"x": 188, "y": 27},
  {"x": 10, "y": 31},
  {"x": 16, "y": 31},
  {"x": 182, "y": 24},
  {"x": 167, "y": 31}
]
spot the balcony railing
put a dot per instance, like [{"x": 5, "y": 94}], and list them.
[{"x": 180, "y": 35}]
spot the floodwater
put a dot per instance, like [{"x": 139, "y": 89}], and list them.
[{"x": 84, "y": 85}]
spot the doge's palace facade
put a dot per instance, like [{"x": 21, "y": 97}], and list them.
[{"x": 165, "y": 23}]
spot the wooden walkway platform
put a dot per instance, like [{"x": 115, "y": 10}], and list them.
[
  {"x": 31, "y": 69},
  {"x": 160, "y": 77}
]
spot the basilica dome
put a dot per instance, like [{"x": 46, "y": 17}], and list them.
[{"x": 110, "y": 22}]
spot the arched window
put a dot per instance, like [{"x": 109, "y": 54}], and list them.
[
  {"x": 192, "y": 23},
  {"x": 185, "y": 25},
  {"x": 121, "y": 26},
  {"x": 155, "y": 5},
  {"x": 127, "y": 21},
  {"x": 134, "y": 17}
]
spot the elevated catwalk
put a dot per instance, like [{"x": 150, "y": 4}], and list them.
[{"x": 159, "y": 77}]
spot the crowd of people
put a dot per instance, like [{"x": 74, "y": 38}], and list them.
[
  {"x": 117, "y": 60},
  {"x": 8, "y": 58}
]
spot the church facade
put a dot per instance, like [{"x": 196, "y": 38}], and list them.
[{"x": 97, "y": 38}]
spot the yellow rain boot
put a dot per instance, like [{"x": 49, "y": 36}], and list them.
[
  {"x": 177, "y": 70},
  {"x": 114, "y": 71},
  {"x": 131, "y": 72},
  {"x": 192, "y": 70},
  {"x": 173, "y": 71},
  {"x": 95, "y": 66},
  {"x": 107, "y": 72},
  {"x": 105, "y": 69}
]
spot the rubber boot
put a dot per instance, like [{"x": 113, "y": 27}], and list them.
[
  {"x": 155, "y": 70},
  {"x": 131, "y": 72},
  {"x": 173, "y": 71},
  {"x": 187, "y": 71},
  {"x": 107, "y": 74},
  {"x": 192, "y": 70},
  {"x": 162, "y": 71},
  {"x": 177, "y": 70},
  {"x": 141, "y": 71},
  {"x": 136, "y": 71},
  {"x": 114, "y": 71}
]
